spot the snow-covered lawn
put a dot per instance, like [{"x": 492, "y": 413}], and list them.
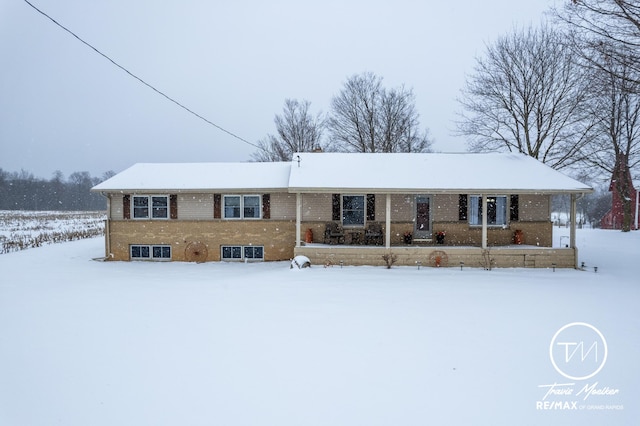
[{"x": 109, "y": 343}]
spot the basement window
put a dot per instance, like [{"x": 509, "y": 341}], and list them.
[
  {"x": 242, "y": 253},
  {"x": 150, "y": 252}
]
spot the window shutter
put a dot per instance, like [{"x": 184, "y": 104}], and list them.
[
  {"x": 371, "y": 206},
  {"x": 514, "y": 208},
  {"x": 217, "y": 206},
  {"x": 462, "y": 207},
  {"x": 335, "y": 207},
  {"x": 126, "y": 206},
  {"x": 173, "y": 206},
  {"x": 266, "y": 206}
]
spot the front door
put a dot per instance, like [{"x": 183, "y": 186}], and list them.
[{"x": 423, "y": 217}]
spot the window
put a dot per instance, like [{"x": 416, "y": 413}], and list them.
[
  {"x": 251, "y": 206},
  {"x": 157, "y": 205},
  {"x": 231, "y": 252},
  {"x": 242, "y": 207},
  {"x": 353, "y": 210},
  {"x": 232, "y": 207},
  {"x": 149, "y": 252},
  {"x": 496, "y": 210},
  {"x": 253, "y": 252},
  {"x": 240, "y": 253}
]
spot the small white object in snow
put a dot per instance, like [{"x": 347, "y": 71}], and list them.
[{"x": 300, "y": 262}]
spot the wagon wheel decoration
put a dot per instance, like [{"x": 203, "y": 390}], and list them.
[
  {"x": 196, "y": 252},
  {"x": 438, "y": 258}
]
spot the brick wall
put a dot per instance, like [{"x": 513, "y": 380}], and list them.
[{"x": 277, "y": 237}]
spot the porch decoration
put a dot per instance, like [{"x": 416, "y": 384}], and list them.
[
  {"x": 440, "y": 237},
  {"x": 518, "y": 236},
  {"x": 196, "y": 251},
  {"x": 408, "y": 237},
  {"x": 438, "y": 258}
]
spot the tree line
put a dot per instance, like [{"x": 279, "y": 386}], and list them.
[
  {"x": 566, "y": 92},
  {"x": 365, "y": 116},
  {"x": 23, "y": 191}
]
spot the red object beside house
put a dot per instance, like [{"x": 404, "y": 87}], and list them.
[{"x": 614, "y": 217}]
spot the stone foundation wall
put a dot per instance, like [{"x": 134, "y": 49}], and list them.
[{"x": 444, "y": 256}]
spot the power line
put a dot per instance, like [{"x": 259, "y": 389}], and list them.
[{"x": 161, "y": 93}]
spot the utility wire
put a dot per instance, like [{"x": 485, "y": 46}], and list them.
[{"x": 140, "y": 79}]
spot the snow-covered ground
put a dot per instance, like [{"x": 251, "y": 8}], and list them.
[
  {"x": 108, "y": 343},
  {"x": 20, "y": 229}
]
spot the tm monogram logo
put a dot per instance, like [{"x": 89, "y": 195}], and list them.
[{"x": 578, "y": 351}]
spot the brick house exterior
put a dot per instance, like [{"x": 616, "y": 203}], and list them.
[{"x": 275, "y": 211}]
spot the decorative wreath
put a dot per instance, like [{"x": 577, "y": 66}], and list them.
[
  {"x": 196, "y": 252},
  {"x": 438, "y": 258}
]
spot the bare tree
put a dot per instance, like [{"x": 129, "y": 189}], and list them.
[
  {"x": 615, "y": 107},
  {"x": 526, "y": 95},
  {"x": 366, "y": 117},
  {"x": 614, "y": 22},
  {"x": 297, "y": 131}
]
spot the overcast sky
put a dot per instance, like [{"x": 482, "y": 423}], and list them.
[{"x": 64, "y": 107}]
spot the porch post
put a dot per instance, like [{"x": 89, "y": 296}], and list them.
[
  {"x": 572, "y": 221},
  {"x": 298, "y": 217},
  {"x": 387, "y": 219},
  {"x": 107, "y": 229},
  {"x": 484, "y": 221}
]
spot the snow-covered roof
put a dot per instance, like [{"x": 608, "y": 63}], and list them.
[
  {"x": 414, "y": 172},
  {"x": 185, "y": 177},
  {"x": 354, "y": 172}
]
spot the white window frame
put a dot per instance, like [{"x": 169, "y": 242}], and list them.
[
  {"x": 150, "y": 208},
  {"x": 475, "y": 207},
  {"x": 242, "y": 207},
  {"x": 364, "y": 210},
  {"x": 241, "y": 250},
  {"x": 150, "y": 248}
]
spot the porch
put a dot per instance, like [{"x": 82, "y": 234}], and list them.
[{"x": 520, "y": 242}]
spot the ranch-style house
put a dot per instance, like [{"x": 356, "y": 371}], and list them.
[{"x": 477, "y": 210}]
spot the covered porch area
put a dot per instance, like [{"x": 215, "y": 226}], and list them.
[
  {"x": 493, "y": 210},
  {"x": 461, "y": 245}
]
